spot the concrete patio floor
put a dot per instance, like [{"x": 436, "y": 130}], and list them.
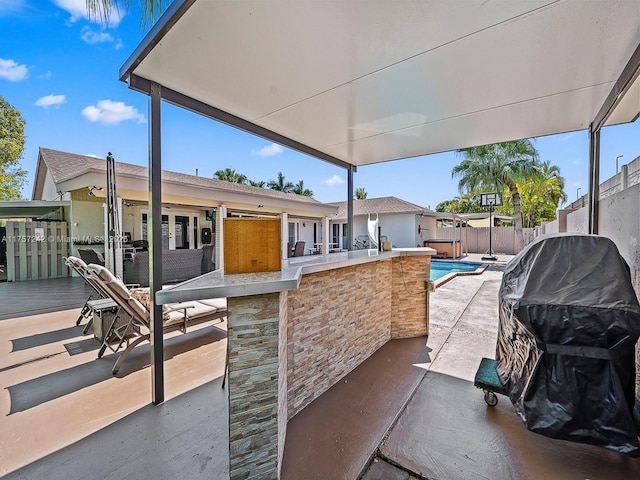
[{"x": 409, "y": 411}]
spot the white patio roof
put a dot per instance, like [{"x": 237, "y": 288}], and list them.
[{"x": 357, "y": 83}]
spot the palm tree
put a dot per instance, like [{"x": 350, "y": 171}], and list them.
[
  {"x": 498, "y": 167},
  {"x": 360, "y": 193},
  {"x": 257, "y": 183},
  {"x": 230, "y": 175},
  {"x": 300, "y": 190},
  {"x": 150, "y": 9},
  {"x": 540, "y": 198},
  {"x": 280, "y": 184}
]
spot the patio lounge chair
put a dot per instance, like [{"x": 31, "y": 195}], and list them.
[
  {"x": 97, "y": 292},
  {"x": 136, "y": 325},
  {"x": 298, "y": 250}
]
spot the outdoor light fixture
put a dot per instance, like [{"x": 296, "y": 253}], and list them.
[
  {"x": 91, "y": 189},
  {"x": 619, "y": 156},
  {"x": 578, "y": 193}
]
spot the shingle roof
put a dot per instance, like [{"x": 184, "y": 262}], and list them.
[
  {"x": 65, "y": 166},
  {"x": 382, "y": 205}
]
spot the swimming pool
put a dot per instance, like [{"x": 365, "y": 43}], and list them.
[{"x": 440, "y": 268}]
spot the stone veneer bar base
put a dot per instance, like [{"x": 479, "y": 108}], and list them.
[
  {"x": 253, "y": 343},
  {"x": 286, "y": 349}
]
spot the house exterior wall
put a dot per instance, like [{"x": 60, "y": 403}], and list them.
[
  {"x": 427, "y": 229},
  {"x": 49, "y": 191},
  {"x": 401, "y": 229},
  {"x": 87, "y": 224}
]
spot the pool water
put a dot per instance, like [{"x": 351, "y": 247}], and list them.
[{"x": 440, "y": 268}]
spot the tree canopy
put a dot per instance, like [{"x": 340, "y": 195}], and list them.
[
  {"x": 299, "y": 189},
  {"x": 230, "y": 175},
  {"x": 540, "y": 198},
  {"x": 499, "y": 167},
  {"x": 360, "y": 193},
  {"x": 280, "y": 184},
  {"x": 12, "y": 138},
  {"x": 539, "y": 193}
]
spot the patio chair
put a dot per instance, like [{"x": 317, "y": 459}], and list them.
[
  {"x": 97, "y": 292},
  {"x": 131, "y": 324},
  {"x": 298, "y": 250}
]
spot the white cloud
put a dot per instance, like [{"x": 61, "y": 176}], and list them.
[
  {"x": 45, "y": 75},
  {"x": 78, "y": 10},
  {"x": 269, "y": 150},
  {"x": 49, "y": 100},
  {"x": 335, "y": 180},
  {"x": 111, "y": 113},
  {"x": 566, "y": 137},
  {"x": 12, "y": 71},
  {"x": 91, "y": 37}
]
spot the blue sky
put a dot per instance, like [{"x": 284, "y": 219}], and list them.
[{"x": 61, "y": 72}]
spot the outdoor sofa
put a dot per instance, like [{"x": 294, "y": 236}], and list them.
[{"x": 177, "y": 265}]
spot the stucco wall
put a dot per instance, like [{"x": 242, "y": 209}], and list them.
[
  {"x": 87, "y": 222},
  {"x": 578, "y": 221},
  {"x": 619, "y": 220},
  {"x": 400, "y": 229},
  {"x": 49, "y": 191}
]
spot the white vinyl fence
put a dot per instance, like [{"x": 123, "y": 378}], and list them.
[
  {"x": 35, "y": 250},
  {"x": 476, "y": 240}
]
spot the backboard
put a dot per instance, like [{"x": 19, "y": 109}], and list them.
[{"x": 490, "y": 199}]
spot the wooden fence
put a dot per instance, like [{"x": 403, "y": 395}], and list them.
[
  {"x": 476, "y": 240},
  {"x": 36, "y": 250}
]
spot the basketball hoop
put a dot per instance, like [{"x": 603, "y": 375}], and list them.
[{"x": 490, "y": 200}]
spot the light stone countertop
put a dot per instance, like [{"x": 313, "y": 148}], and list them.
[{"x": 217, "y": 285}]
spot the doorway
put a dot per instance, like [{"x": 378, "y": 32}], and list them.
[{"x": 182, "y": 232}]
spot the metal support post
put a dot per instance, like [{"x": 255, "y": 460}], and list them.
[{"x": 155, "y": 243}]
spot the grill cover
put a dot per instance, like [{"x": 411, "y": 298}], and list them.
[{"x": 569, "y": 321}]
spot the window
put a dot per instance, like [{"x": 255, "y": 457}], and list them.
[{"x": 294, "y": 232}]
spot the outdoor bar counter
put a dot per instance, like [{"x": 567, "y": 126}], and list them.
[{"x": 293, "y": 334}]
